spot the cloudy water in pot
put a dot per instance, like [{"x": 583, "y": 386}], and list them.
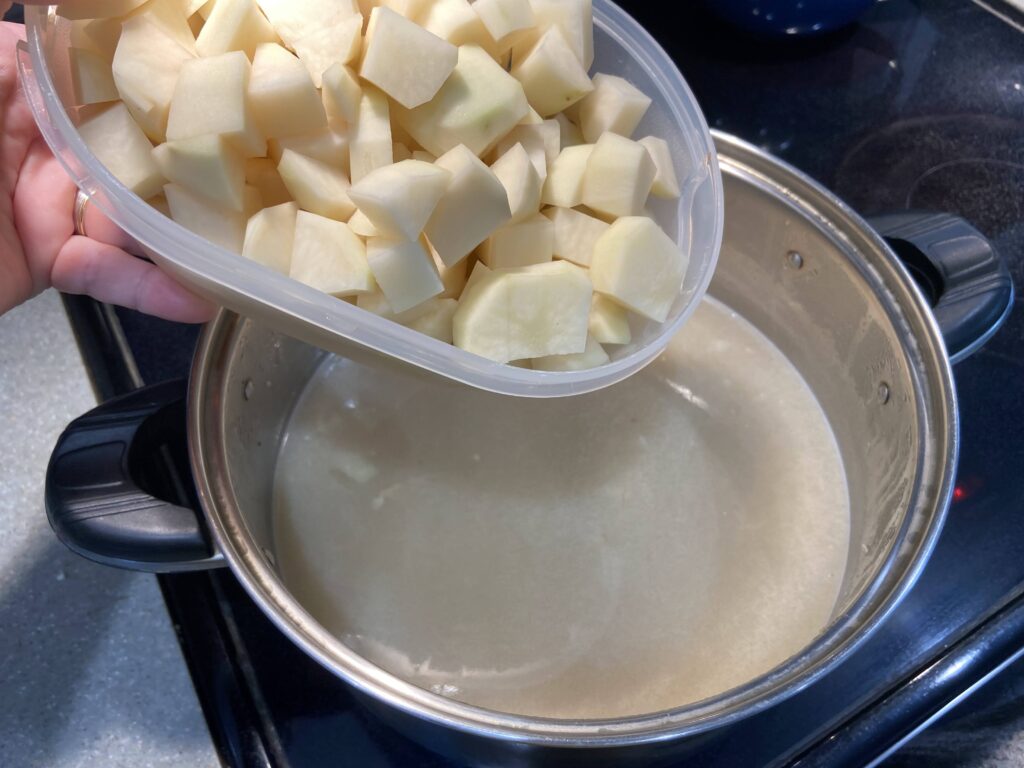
[{"x": 610, "y": 554}]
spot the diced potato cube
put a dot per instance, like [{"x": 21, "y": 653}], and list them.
[
  {"x": 234, "y": 25},
  {"x": 665, "y": 182},
  {"x": 505, "y": 20},
  {"x": 327, "y": 146},
  {"x": 337, "y": 43},
  {"x": 552, "y": 76},
  {"x": 361, "y": 225},
  {"x": 478, "y": 104},
  {"x": 591, "y": 357},
  {"x": 329, "y": 256},
  {"x": 404, "y": 60},
  {"x": 91, "y": 78},
  {"x": 211, "y": 97},
  {"x": 399, "y": 198},
  {"x": 575, "y": 20},
  {"x": 518, "y": 176},
  {"x": 404, "y": 270},
  {"x": 639, "y": 266},
  {"x": 370, "y": 146},
  {"x": 296, "y": 19},
  {"x": 457, "y": 22},
  {"x": 262, "y": 173},
  {"x": 619, "y": 176},
  {"x": 422, "y": 154},
  {"x": 341, "y": 93},
  {"x": 609, "y": 323},
  {"x": 118, "y": 142},
  {"x": 206, "y": 166},
  {"x": 569, "y": 133},
  {"x": 283, "y": 98},
  {"x": 145, "y": 69},
  {"x": 542, "y": 142},
  {"x": 528, "y": 312},
  {"x": 519, "y": 245},
  {"x": 614, "y": 105},
  {"x": 221, "y": 226},
  {"x": 96, "y": 9},
  {"x": 576, "y": 234},
  {"x": 473, "y": 206},
  {"x": 436, "y": 319},
  {"x": 270, "y": 237},
  {"x": 564, "y": 184},
  {"x": 317, "y": 187}
]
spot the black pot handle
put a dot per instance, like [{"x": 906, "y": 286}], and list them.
[
  {"x": 963, "y": 275},
  {"x": 103, "y": 473}
]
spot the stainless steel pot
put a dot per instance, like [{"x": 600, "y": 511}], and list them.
[{"x": 796, "y": 262}]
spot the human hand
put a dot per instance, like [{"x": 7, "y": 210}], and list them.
[{"x": 38, "y": 244}]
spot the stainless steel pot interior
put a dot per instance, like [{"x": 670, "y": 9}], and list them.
[{"x": 810, "y": 275}]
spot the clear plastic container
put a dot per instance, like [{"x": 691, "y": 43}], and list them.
[{"x": 621, "y": 47}]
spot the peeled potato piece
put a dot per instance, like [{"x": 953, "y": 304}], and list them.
[
  {"x": 234, "y": 25},
  {"x": 665, "y": 182},
  {"x": 528, "y": 312},
  {"x": 477, "y": 105},
  {"x": 398, "y": 199},
  {"x": 317, "y": 187},
  {"x": 370, "y": 146},
  {"x": 505, "y": 20},
  {"x": 337, "y": 43},
  {"x": 341, "y": 93},
  {"x": 329, "y": 256},
  {"x": 518, "y": 176},
  {"x": 609, "y": 322},
  {"x": 404, "y": 60},
  {"x": 637, "y": 264},
  {"x": 211, "y": 96},
  {"x": 206, "y": 166},
  {"x": 552, "y": 76},
  {"x": 575, "y": 234},
  {"x": 473, "y": 206},
  {"x": 564, "y": 185},
  {"x": 221, "y": 226},
  {"x": 118, "y": 142},
  {"x": 592, "y": 356},
  {"x": 619, "y": 176},
  {"x": 270, "y": 237},
  {"x": 282, "y": 96},
  {"x": 404, "y": 270},
  {"x": 436, "y": 319},
  {"x": 145, "y": 70},
  {"x": 296, "y": 19},
  {"x": 614, "y": 105},
  {"x": 530, "y": 241}
]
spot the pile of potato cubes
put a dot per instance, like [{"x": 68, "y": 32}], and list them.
[{"x": 448, "y": 165}]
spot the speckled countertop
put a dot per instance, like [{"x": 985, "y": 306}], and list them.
[{"x": 90, "y": 671}]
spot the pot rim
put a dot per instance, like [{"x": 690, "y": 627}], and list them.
[{"x": 928, "y": 364}]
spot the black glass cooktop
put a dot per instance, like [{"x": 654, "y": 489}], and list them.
[{"x": 919, "y": 106}]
